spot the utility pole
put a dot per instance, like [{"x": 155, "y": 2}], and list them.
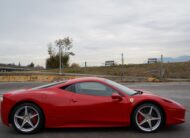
[
  {"x": 122, "y": 59},
  {"x": 60, "y": 54},
  {"x": 122, "y": 63},
  {"x": 161, "y": 66}
]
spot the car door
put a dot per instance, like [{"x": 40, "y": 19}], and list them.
[
  {"x": 91, "y": 103},
  {"x": 57, "y": 106}
]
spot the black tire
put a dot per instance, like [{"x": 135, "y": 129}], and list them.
[
  {"x": 29, "y": 106},
  {"x": 146, "y": 120}
]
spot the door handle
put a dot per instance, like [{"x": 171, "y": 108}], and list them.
[{"x": 74, "y": 101}]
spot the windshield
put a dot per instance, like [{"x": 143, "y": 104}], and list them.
[
  {"x": 122, "y": 87},
  {"x": 48, "y": 85}
]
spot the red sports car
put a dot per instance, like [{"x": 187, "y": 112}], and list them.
[{"x": 88, "y": 102}]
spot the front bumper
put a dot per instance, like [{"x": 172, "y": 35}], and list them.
[{"x": 175, "y": 116}]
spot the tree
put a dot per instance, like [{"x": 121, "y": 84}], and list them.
[
  {"x": 75, "y": 65},
  {"x": 31, "y": 65},
  {"x": 64, "y": 45},
  {"x": 53, "y": 62},
  {"x": 61, "y": 57},
  {"x": 51, "y": 50}
]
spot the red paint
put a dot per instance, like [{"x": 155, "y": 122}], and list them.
[{"x": 66, "y": 109}]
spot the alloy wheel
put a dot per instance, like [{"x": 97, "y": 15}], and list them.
[
  {"x": 148, "y": 118},
  {"x": 26, "y": 118}
]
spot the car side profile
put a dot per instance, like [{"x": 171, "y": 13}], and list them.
[{"x": 88, "y": 102}]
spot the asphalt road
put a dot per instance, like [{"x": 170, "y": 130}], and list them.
[{"x": 176, "y": 91}]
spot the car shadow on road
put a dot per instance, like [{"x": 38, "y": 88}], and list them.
[
  {"x": 108, "y": 129},
  {"x": 81, "y": 130},
  {"x": 95, "y": 132}
]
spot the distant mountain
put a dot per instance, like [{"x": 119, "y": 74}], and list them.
[{"x": 176, "y": 59}]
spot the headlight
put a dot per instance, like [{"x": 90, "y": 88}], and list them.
[
  {"x": 171, "y": 101},
  {"x": 1, "y": 98},
  {"x": 168, "y": 100}
]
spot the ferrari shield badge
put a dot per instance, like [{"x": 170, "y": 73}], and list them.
[{"x": 131, "y": 100}]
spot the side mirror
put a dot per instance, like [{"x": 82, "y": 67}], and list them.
[{"x": 116, "y": 96}]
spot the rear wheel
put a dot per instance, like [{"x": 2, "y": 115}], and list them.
[
  {"x": 148, "y": 117},
  {"x": 27, "y": 118}
]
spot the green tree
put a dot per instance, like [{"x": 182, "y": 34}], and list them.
[
  {"x": 31, "y": 65},
  {"x": 64, "y": 45},
  {"x": 53, "y": 62},
  {"x": 63, "y": 54},
  {"x": 51, "y": 50}
]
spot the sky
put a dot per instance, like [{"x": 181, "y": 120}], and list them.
[{"x": 100, "y": 29}]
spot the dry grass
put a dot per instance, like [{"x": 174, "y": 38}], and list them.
[{"x": 172, "y": 70}]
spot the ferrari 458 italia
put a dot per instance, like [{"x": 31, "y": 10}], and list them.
[{"x": 88, "y": 102}]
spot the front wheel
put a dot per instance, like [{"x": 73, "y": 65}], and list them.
[
  {"x": 148, "y": 117},
  {"x": 27, "y": 118}
]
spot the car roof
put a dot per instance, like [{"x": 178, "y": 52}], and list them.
[{"x": 82, "y": 79}]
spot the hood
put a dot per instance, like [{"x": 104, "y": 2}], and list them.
[{"x": 142, "y": 94}]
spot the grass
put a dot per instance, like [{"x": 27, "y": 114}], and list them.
[{"x": 172, "y": 70}]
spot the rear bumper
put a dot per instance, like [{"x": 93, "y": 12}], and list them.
[{"x": 5, "y": 110}]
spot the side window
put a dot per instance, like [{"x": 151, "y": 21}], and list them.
[
  {"x": 70, "y": 88},
  {"x": 93, "y": 88}
]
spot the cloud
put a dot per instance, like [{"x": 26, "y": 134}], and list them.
[{"x": 101, "y": 29}]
